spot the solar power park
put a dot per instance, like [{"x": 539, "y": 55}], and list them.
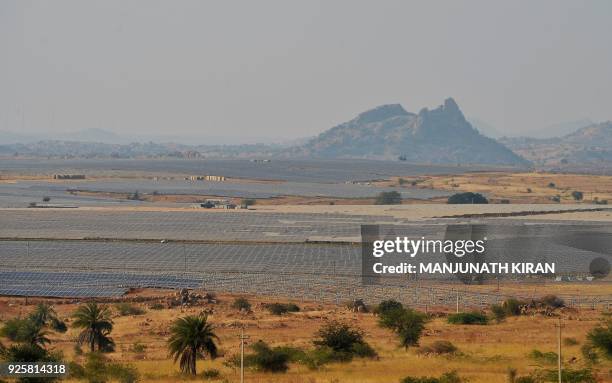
[{"x": 97, "y": 253}]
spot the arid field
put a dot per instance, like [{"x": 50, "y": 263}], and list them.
[{"x": 484, "y": 352}]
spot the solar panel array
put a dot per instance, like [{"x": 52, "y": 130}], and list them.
[
  {"x": 184, "y": 225},
  {"x": 286, "y": 264},
  {"x": 177, "y": 258},
  {"x": 283, "y": 169},
  {"x": 84, "y": 284}
]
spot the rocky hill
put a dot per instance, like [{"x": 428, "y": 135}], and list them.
[
  {"x": 441, "y": 135},
  {"x": 590, "y": 146}
]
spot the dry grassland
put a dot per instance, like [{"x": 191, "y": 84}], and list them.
[{"x": 486, "y": 352}]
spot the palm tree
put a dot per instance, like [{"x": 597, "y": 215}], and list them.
[
  {"x": 33, "y": 334},
  {"x": 43, "y": 314},
  {"x": 192, "y": 337},
  {"x": 96, "y": 324}
]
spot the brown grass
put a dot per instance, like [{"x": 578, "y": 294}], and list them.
[
  {"x": 485, "y": 351},
  {"x": 514, "y": 186}
]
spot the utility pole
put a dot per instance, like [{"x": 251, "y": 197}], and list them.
[
  {"x": 559, "y": 367},
  {"x": 242, "y": 339},
  {"x": 457, "y": 310},
  {"x": 185, "y": 257}
]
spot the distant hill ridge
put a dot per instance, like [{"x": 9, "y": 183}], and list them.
[
  {"x": 590, "y": 145},
  {"x": 441, "y": 135}
]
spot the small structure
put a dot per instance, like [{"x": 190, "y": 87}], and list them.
[
  {"x": 217, "y": 204},
  {"x": 69, "y": 176},
  {"x": 206, "y": 178}
]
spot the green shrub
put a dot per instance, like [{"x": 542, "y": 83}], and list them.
[
  {"x": 474, "y": 317},
  {"x": 388, "y": 198},
  {"x": 241, "y": 303},
  {"x": 98, "y": 369},
  {"x": 570, "y": 342},
  {"x": 58, "y": 325},
  {"x": 269, "y": 359},
  {"x": 157, "y": 306},
  {"x": 13, "y": 328},
  {"x": 577, "y": 195},
  {"x": 123, "y": 373},
  {"x": 385, "y": 306},
  {"x": 321, "y": 356},
  {"x": 24, "y": 352},
  {"x": 527, "y": 379},
  {"x": 138, "y": 348},
  {"x": 407, "y": 323},
  {"x": 552, "y": 301},
  {"x": 589, "y": 353},
  {"x": 467, "y": 198},
  {"x": 95, "y": 368},
  {"x": 363, "y": 350},
  {"x": 344, "y": 340},
  {"x": 512, "y": 306},
  {"x": 499, "y": 313},
  {"x": 282, "y": 308},
  {"x": 294, "y": 354},
  {"x": 601, "y": 338},
  {"x": 125, "y": 309},
  {"x": 76, "y": 371},
  {"x": 211, "y": 374},
  {"x": 448, "y": 377},
  {"x": 438, "y": 347},
  {"x": 543, "y": 357},
  {"x": 571, "y": 376}
]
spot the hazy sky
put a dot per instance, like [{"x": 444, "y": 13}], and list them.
[{"x": 285, "y": 69}]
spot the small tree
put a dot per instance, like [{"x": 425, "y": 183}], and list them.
[
  {"x": 512, "y": 306},
  {"x": 269, "y": 359},
  {"x": 467, "y": 198},
  {"x": 241, "y": 303},
  {"x": 343, "y": 340},
  {"x": 577, "y": 195},
  {"x": 282, "y": 308},
  {"x": 407, "y": 323},
  {"x": 387, "y": 306},
  {"x": 601, "y": 338},
  {"x": 388, "y": 198},
  {"x": 499, "y": 313}
]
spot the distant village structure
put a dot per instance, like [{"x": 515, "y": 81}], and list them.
[
  {"x": 69, "y": 176},
  {"x": 206, "y": 178},
  {"x": 217, "y": 204}
]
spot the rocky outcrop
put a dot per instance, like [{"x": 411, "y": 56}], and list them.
[{"x": 441, "y": 135}]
